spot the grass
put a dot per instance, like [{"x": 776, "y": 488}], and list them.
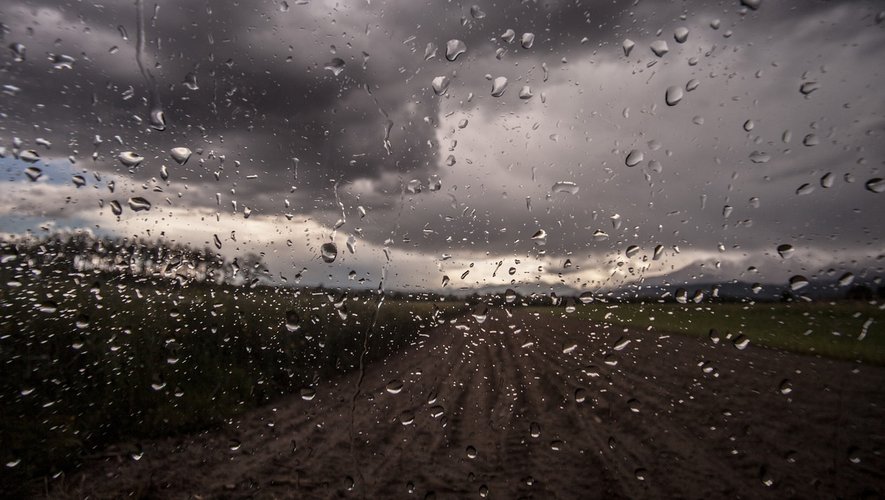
[
  {"x": 828, "y": 329},
  {"x": 99, "y": 359}
]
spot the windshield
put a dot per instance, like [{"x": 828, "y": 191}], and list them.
[{"x": 397, "y": 248}]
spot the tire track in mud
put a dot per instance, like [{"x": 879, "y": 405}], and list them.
[{"x": 695, "y": 435}]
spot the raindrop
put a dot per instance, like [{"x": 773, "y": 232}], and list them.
[
  {"x": 180, "y": 155},
  {"x": 632, "y": 250},
  {"x": 293, "y": 321},
  {"x": 634, "y": 157},
  {"x": 808, "y": 87},
  {"x": 527, "y": 40},
  {"x": 394, "y": 386},
  {"x": 508, "y": 36},
  {"x": 481, "y": 313},
  {"x": 748, "y": 125},
  {"x": 535, "y": 430},
  {"x": 130, "y": 159},
  {"x": 499, "y": 85},
  {"x": 659, "y": 251},
  {"x": 628, "y": 47},
  {"x": 875, "y": 185},
  {"x": 752, "y": 4},
  {"x": 810, "y": 140},
  {"x": 471, "y": 452},
  {"x": 308, "y": 393},
  {"x": 827, "y": 180},
  {"x": 580, "y": 395},
  {"x": 659, "y": 48},
  {"x": 760, "y": 157},
  {"x": 336, "y": 66},
  {"x": 440, "y": 85},
  {"x": 476, "y": 12},
  {"x": 455, "y": 48},
  {"x": 18, "y": 51},
  {"x": 29, "y": 156},
  {"x": 691, "y": 85},
  {"x": 565, "y": 187},
  {"x": 681, "y": 34},
  {"x": 673, "y": 95},
  {"x": 846, "y": 279},
  {"x": 509, "y": 296},
  {"x": 525, "y": 92},
  {"x": 190, "y": 81},
  {"x": 116, "y": 208},
  {"x": 33, "y": 173},
  {"x": 740, "y": 342},
  {"x": 429, "y": 51},
  {"x": 138, "y": 204},
  {"x": 804, "y": 189},
  {"x": 798, "y": 282},
  {"x": 329, "y": 252},
  {"x": 586, "y": 297},
  {"x": 785, "y": 386},
  {"x": 79, "y": 180},
  {"x": 785, "y": 251}
]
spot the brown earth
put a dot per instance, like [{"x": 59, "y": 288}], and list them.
[{"x": 654, "y": 424}]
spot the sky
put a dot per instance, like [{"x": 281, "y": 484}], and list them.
[{"x": 319, "y": 120}]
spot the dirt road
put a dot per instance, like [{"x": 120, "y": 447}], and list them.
[{"x": 541, "y": 407}]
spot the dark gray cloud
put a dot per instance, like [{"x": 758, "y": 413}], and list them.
[{"x": 264, "y": 98}]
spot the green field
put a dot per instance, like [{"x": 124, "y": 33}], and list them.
[{"x": 828, "y": 329}]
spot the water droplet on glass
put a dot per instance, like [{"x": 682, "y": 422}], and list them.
[
  {"x": 535, "y": 430},
  {"x": 308, "y": 393},
  {"x": 527, "y": 40},
  {"x": 138, "y": 204},
  {"x": 680, "y": 34},
  {"x": 760, "y": 157},
  {"x": 180, "y": 155},
  {"x": 455, "y": 48},
  {"x": 808, "y": 87},
  {"x": 751, "y": 4},
  {"x": 394, "y": 386},
  {"x": 116, "y": 208},
  {"x": 659, "y": 251},
  {"x": 190, "y": 81},
  {"x": 798, "y": 282},
  {"x": 748, "y": 125},
  {"x": 476, "y": 12},
  {"x": 785, "y": 386},
  {"x": 565, "y": 187},
  {"x": 628, "y": 47},
  {"x": 691, "y": 85},
  {"x": 810, "y": 140},
  {"x": 18, "y": 51},
  {"x": 632, "y": 250},
  {"x": 481, "y": 313},
  {"x": 508, "y": 36},
  {"x": 525, "y": 92},
  {"x": 785, "y": 251},
  {"x": 33, "y": 173},
  {"x": 875, "y": 185},
  {"x": 804, "y": 189},
  {"x": 740, "y": 342},
  {"x": 659, "y": 48},
  {"x": 471, "y": 452},
  {"x": 336, "y": 66},
  {"x": 827, "y": 180},
  {"x": 673, "y": 95},
  {"x": 440, "y": 85},
  {"x": 846, "y": 279},
  {"x": 499, "y": 85},
  {"x": 293, "y": 321},
  {"x": 634, "y": 157},
  {"x": 430, "y": 51},
  {"x": 329, "y": 252},
  {"x": 509, "y": 296},
  {"x": 130, "y": 159}
]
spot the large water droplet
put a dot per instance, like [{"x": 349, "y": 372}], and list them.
[
  {"x": 875, "y": 185},
  {"x": 798, "y": 282},
  {"x": 33, "y": 173},
  {"x": 785, "y": 251},
  {"x": 760, "y": 157},
  {"x": 499, "y": 85},
  {"x": 180, "y": 155},
  {"x": 29, "y": 156},
  {"x": 455, "y": 48},
  {"x": 673, "y": 95},
  {"x": 18, "y": 51},
  {"x": 659, "y": 48},
  {"x": 634, "y": 157},
  {"x": 628, "y": 47},
  {"x": 565, "y": 187},
  {"x": 528, "y": 39},
  {"x": 680, "y": 34},
  {"x": 508, "y": 36},
  {"x": 336, "y": 66},
  {"x": 394, "y": 386},
  {"x": 752, "y": 4},
  {"x": 440, "y": 85},
  {"x": 130, "y": 159},
  {"x": 116, "y": 208},
  {"x": 631, "y": 251},
  {"x": 329, "y": 252},
  {"x": 138, "y": 204},
  {"x": 293, "y": 321}
]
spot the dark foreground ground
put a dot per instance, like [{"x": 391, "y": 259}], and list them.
[{"x": 495, "y": 410}]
